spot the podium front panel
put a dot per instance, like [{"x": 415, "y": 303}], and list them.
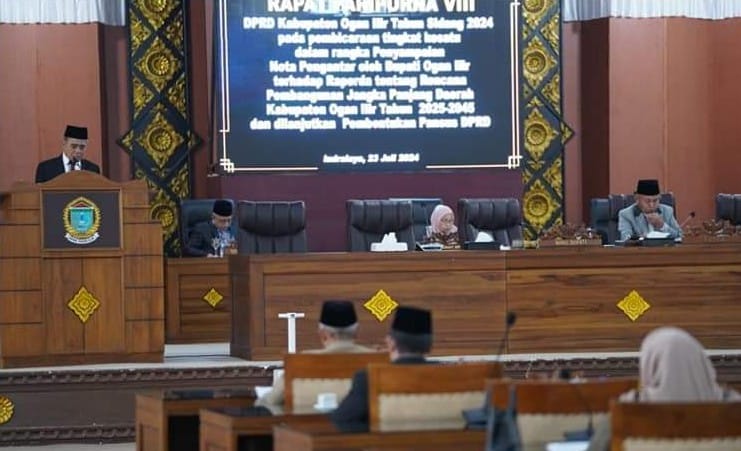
[{"x": 81, "y": 219}]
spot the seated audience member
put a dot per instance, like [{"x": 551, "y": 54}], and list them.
[
  {"x": 673, "y": 367},
  {"x": 408, "y": 341},
  {"x": 442, "y": 228},
  {"x": 338, "y": 327},
  {"x": 74, "y": 144},
  {"x": 207, "y": 237},
  {"x": 647, "y": 214}
]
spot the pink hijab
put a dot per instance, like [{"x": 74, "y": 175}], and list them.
[
  {"x": 437, "y": 216},
  {"x": 674, "y": 367}
]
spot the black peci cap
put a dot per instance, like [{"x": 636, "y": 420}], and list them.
[
  {"x": 223, "y": 207},
  {"x": 338, "y": 314},
  {"x": 413, "y": 321}
]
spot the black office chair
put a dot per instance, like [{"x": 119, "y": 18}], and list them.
[
  {"x": 271, "y": 227},
  {"x": 499, "y": 217},
  {"x": 369, "y": 220},
  {"x": 728, "y": 208}
]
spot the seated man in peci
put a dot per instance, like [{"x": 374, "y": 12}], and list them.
[
  {"x": 210, "y": 238},
  {"x": 338, "y": 327},
  {"x": 647, "y": 214},
  {"x": 409, "y": 340}
]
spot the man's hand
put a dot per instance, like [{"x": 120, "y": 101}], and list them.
[{"x": 655, "y": 220}]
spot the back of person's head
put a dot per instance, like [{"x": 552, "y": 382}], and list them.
[
  {"x": 675, "y": 368},
  {"x": 411, "y": 330},
  {"x": 338, "y": 318}
]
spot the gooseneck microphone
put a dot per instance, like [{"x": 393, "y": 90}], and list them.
[
  {"x": 509, "y": 322},
  {"x": 687, "y": 219}
]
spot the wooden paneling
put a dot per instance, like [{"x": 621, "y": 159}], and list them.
[
  {"x": 144, "y": 303},
  {"x": 466, "y": 290},
  {"x": 145, "y": 336},
  {"x": 20, "y": 274},
  {"x": 143, "y": 272},
  {"x": 190, "y": 319},
  {"x": 565, "y": 298},
  {"x": 37, "y": 285},
  {"x": 104, "y": 331},
  {"x": 62, "y": 280},
  {"x": 142, "y": 239},
  {"x": 20, "y": 240},
  {"x": 20, "y": 307}
]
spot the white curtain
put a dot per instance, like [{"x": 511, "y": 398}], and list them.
[
  {"x": 110, "y": 12},
  {"x": 575, "y": 10}
]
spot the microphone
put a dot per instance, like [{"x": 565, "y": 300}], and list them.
[
  {"x": 582, "y": 435},
  {"x": 477, "y": 418},
  {"x": 687, "y": 219},
  {"x": 509, "y": 322}
]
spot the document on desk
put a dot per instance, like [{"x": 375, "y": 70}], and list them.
[{"x": 567, "y": 446}]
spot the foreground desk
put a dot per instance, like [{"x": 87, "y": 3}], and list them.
[
  {"x": 234, "y": 429},
  {"x": 198, "y": 300},
  {"x": 168, "y": 420},
  {"x": 313, "y": 438},
  {"x": 567, "y": 299}
]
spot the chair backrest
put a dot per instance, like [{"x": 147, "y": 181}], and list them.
[
  {"x": 547, "y": 409},
  {"x": 676, "y": 427},
  {"x": 603, "y": 213},
  {"x": 194, "y": 211},
  {"x": 307, "y": 375},
  {"x": 271, "y": 227},
  {"x": 421, "y": 211},
  {"x": 421, "y": 397},
  {"x": 369, "y": 220},
  {"x": 728, "y": 208},
  {"x": 502, "y": 218}
]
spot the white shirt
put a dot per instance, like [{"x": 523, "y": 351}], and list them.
[{"x": 66, "y": 160}]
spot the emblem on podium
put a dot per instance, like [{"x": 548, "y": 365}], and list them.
[{"x": 81, "y": 221}]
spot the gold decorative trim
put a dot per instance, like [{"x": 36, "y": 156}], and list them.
[
  {"x": 6, "y": 409},
  {"x": 213, "y": 297},
  {"x": 83, "y": 304},
  {"x": 538, "y": 205},
  {"x": 381, "y": 305},
  {"x": 633, "y": 305},
  {"x": 539, "y": 134}
]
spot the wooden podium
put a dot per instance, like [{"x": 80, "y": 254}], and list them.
[{"x": 81, "y": 273}]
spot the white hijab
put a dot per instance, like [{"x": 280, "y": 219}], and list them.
[{"x": 674, "y": 368}]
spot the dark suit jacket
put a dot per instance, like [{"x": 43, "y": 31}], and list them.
[
  {"x": 200, "y": 240},
  {"x": 48, "y": 169},
  {"x": 352, "y": 413}
]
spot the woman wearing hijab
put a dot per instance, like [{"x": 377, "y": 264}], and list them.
[
  {"x": 673, "y": 368},
  {"x": 442, "y": 228}
]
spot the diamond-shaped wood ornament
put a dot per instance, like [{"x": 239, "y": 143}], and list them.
[
  {"x": 381, "y": 305},
  {"x": 83, "y": 304},
  {"x": 633, "y": 305},
  {"x": 213, "y": 297}
]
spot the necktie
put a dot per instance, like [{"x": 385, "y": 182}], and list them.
[{"x": 72, "y": 164}]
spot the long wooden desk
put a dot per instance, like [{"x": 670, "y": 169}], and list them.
[
  {"x": 233, "y": 429},
  {"x": 566, "y": 299},
  {"x": 313, "y": 438},
  {"x": 168, "y": 420},
  {"x": 198, "y": 300}
]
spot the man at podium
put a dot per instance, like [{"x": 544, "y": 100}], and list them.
[{"x": 72, "y": 158}]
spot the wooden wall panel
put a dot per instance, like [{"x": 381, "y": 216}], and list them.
[
  {"x": 20, "y": 240},
  {"x": 142, "y": 239},
  {"x": 21, "y": 274},
  {"x": 145, "y": 336},
  {"x": 143, "y": 272},
  {"x": 64, "y": 331},
  {"x": 19, "y": 340},
  {"x": 20, "y": 307},
  {"x": 104, "y": 331},
  {"x": 144, "y": 303}
]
